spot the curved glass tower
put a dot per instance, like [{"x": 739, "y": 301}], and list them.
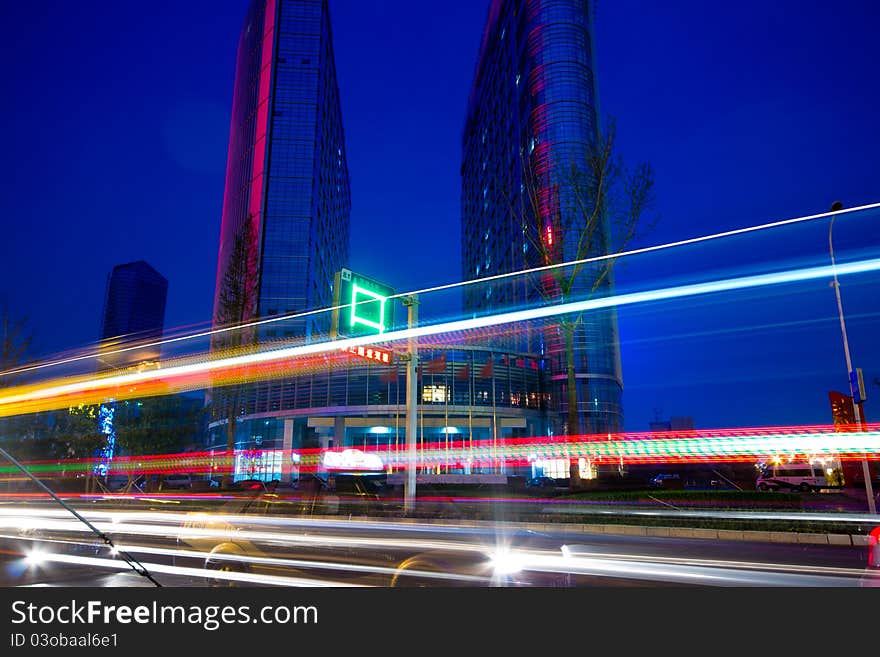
[{"x": 532, "y": 113}]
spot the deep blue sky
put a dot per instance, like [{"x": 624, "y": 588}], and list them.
[{"x": 116, "y": 114}]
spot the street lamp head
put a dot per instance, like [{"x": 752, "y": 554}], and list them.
[{"x": 837, "y": 206}]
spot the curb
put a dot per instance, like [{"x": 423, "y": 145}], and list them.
[{"x": 858, "y": 540}]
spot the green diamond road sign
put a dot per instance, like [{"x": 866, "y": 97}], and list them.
[{"x": 364, "y": 307}]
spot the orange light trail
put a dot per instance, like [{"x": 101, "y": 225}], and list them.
[{"x": 210, "y": 370}]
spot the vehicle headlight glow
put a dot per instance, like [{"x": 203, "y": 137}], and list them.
[
  {"x": 505, "y": 562},
  {"x": 35, "y": 558}
]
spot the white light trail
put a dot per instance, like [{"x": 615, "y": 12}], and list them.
[
  {"x": 448, "y": 286},
  {"x": 298, "y": 563},
  {"x": 575, "y": 562},
  {"x": 264, "y": 357},
  {"x": 577, "y": 559},
  {"x": 252, "y": 578},
  {"x": 216, "y": 529},
  {"x": 35, "y": 517}
]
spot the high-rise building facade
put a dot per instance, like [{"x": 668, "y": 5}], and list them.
[
  {"x": 286, "y": 207},
  {"x": 134, "y": 309},
  {"x": 533, "y": 115}
]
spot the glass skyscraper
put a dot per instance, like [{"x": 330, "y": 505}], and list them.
[
  {"x": 134, "y": 309},
  {"x": 286, "y": 207},
  {"x": 285, "y": 232},
  {"x": 532, "y": 113},
  {"x": 287, "y": 203},
  {"x": 286, "y": 211}
]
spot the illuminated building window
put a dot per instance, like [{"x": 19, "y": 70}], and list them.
[
  {"x": 554, "y": 468},
  {"x": 264, "y": 465},
  {"x": 432, "y": 394},
  {"x": 587, "y": 469}
]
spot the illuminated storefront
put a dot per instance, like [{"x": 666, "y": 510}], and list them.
[{"x": 467, "y": 395}]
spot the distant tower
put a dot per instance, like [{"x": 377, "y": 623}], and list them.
[{"x": 134, "y": 311}]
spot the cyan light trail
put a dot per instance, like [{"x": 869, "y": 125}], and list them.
[
  {"x": 199, "y": 374},
  {"x": 448, "y": 286}
]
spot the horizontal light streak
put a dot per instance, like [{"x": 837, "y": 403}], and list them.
[
  {"x": 14, "y": 402},
  {"x": 840, "y": 445},
  {"x": 574, "y": 559},
  {"x": 448, "y": 286},
  {"x": 300, "y": 564},
  {"x": 217, "y": 529},
  {"x": 741, "y": 445},
  {"x": 183, "y": 571},
  {"x": 589, "y": 551},
  {"x": 573, "y": 562}
]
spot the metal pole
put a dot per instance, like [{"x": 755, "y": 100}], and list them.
[
  {"x": 136, "y": 565},
  {"x": 498, "y": 466},
  {"x": 409, "y": 488},
  {"x": 446, "y": 408},
  {"x": 866, "y": 471},
  {"x": 471, "y": 365}
]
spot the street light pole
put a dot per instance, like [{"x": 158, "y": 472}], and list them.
[
  {"x": 409, "y": 486},
  {"x": 866, "y": 471}
]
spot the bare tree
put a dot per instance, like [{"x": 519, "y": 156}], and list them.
[
  {"x": 15, "y": 340},
  {"x": 236, "y": 304},
  {"x": 600, "y": 205}
]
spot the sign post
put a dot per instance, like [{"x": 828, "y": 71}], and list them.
[
  {"x": 409, "y": 487},
  {"x": 363, "y": 306}
]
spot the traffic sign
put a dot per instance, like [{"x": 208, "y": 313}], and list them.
[{"x": 362, "y": 305}]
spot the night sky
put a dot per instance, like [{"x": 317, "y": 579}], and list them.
[{"x": 116, "y": 117}]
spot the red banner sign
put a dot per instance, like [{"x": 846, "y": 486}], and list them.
[{"x": 372, "y": 353}]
